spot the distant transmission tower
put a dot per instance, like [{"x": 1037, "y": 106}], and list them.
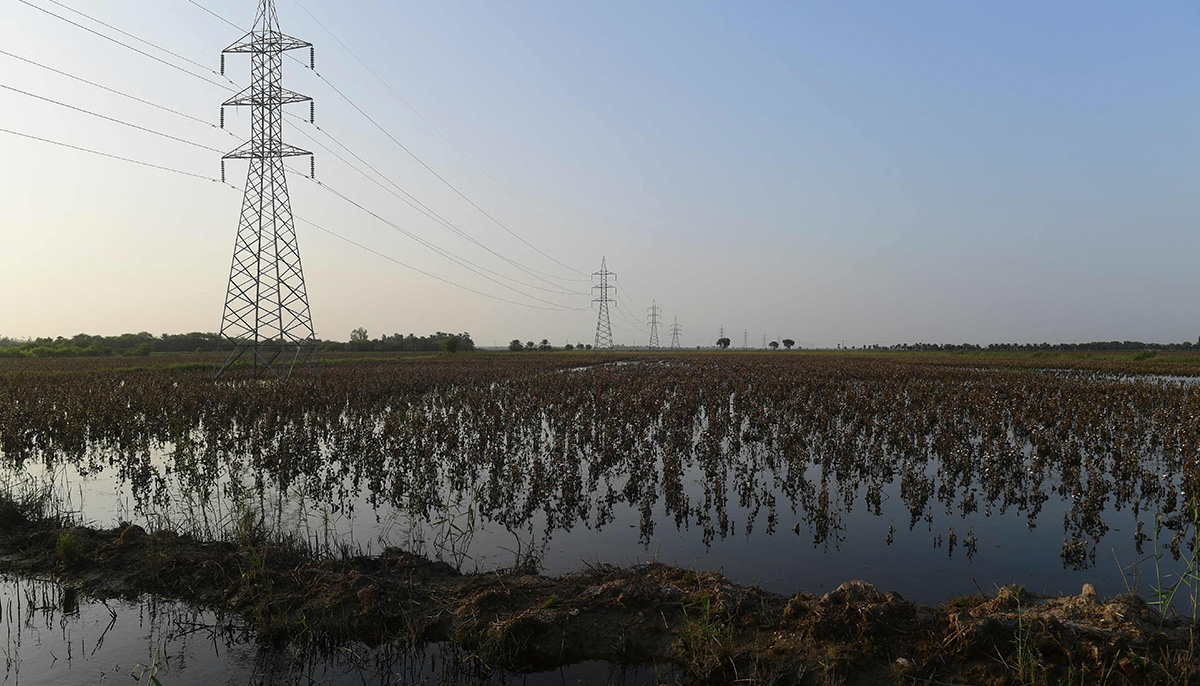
[
  {"x": 745, "y": 338},
  {"x": 266, "y": 305},
  {"x": 604, "y": 339},
  {"x": 675, "y": 331},
  {"x": 764, "y": 341},
  {"x": 652, "y": 316}
]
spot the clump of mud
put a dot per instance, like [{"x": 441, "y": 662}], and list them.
[{"x": 713, "y": 630}]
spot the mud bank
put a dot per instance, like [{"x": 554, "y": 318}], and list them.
[{"x": 712, "y": 630}]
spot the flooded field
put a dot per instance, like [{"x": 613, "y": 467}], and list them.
[{"x": 789, "y": 472}]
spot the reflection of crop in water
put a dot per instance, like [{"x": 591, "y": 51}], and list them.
[
  {"x": 1184, "y": 583},
  {"x": 804, "y": 438},
  {"x": 150, "y": 642}
]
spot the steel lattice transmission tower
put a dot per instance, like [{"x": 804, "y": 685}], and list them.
[
  {"x": 604, "y": 339},
  {"x": 675, "y": 331},
  {"x": 653, "y": 314},
  {"x": 266, "y": 314}
]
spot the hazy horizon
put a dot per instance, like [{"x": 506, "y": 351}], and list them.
[{"x": 826, "y": 172}]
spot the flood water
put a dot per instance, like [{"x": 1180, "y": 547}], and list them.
[
  {"x": 933, "y": 482},
  {"x": 51, "y": 635},
  {"x": 946, "y": 554}
]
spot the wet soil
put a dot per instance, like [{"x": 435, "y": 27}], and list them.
[{"x": 712, "y": 630}]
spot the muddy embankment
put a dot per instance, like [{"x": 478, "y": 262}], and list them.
[{"x": 712, "y": 630}]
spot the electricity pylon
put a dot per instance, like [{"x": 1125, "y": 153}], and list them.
[
  {"x": 652, "y": 316},
  {"x": 675, "y": 330},
  {"x": 604, "y": 339},
  {"x": 745, "y": 338},
  {"x": 266, "y": 305}
]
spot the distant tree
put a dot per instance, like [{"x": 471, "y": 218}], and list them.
[
  {"x": 450, "y": 344},
  {"x": 142, "y": 350},
  {"x": 588, "y": 346},
  {"x": 788, "y": 343},
  {"x": 774, "y": 345},
  {"x": 568, "y": 347},
  {"x": 545, "y": 346},
  {"x": 722, "y": 343},
  {"x": 515, "y": 345},
  {"x": 359, "y": 334},
  {"x": 530, "y": 346}
]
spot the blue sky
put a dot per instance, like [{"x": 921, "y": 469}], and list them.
[{"x": 858, "y": 172}]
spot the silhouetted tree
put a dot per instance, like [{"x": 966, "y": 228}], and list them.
[
  {"x": 774, "y": 345},
  {"x": 788, "y": 343},
  {"x": 722, "y": 343},
  {"x": 515, "y": 345}
]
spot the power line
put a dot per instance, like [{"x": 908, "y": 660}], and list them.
[
  {"x": 139, "y": 39},
  {"x": 443, "y": 180},
  {"x": 158, "y": 133},
  {"x": 407, "y": 198},
  {"x": 219, "y": 16},
  {"x": 625, "y": 314},
  {"x": 339, "y": 236},
  {"x": 463, "y": 262},
  {"x": 110, "y": 90},
  {"x": 411, "y": 153},
  {"x": 419, "y": 270},
  {"x": 108, "y": 118},
  {"x": 638, "y": 327},
  {"x": 490, "y": 271},
  {"x": 125, "y": 45},
  {"x": 112, "y": 156},
  {"x": 413, "y": 110},
  {"x": 423, "y": 208},
  {"x": 621, "y": 295},
  {"x": 443, "y": 252}
]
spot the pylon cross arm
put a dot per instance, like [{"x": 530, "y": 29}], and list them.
[
  {"x": 260, "y": 41},
  {"x": 248, "y": 151},
  {"x": 282, "y": 96}
]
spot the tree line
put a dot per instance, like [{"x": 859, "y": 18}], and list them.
[
  {"x": 1094, "y": 346},
  {"x": 516, "y": 346},
  {"x": 145, "y": 343},
  {"x": 360, "y": 341},
  {"x": 724, "y": 343}
]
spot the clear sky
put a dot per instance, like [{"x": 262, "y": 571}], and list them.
[{"x": 836, "y": 171}]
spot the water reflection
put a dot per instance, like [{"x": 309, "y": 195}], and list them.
[
  {"x": 54, "y": 635},
  {"x": 795, "y": 472}
]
